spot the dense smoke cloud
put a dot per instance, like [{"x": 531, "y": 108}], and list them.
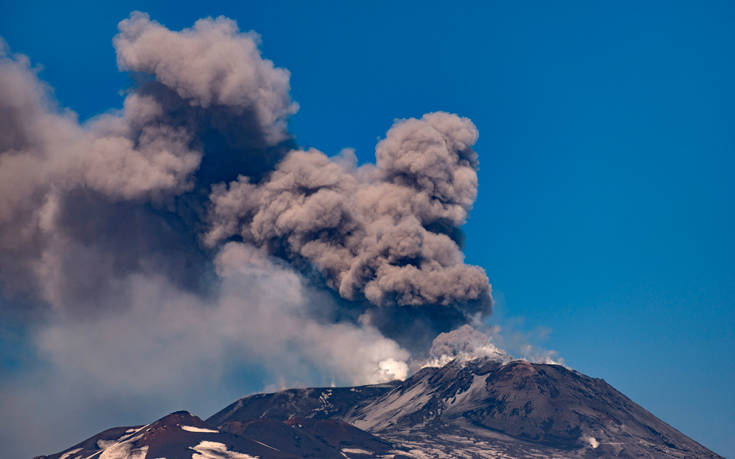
[
  {"x": 84, "y": 206},
  {"x": 47, "y": 158},
  {"x": 377, "y": 233},
  {"x": 151, "y": 245},
  {"x": 210, "y": 65}
]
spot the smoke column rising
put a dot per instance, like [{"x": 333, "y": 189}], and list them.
[
  {"x": 153, "y": 244},
  {"x": 380, "y": 236}
]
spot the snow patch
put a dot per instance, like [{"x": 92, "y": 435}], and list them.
[
  {"x": 356, "y": 451},
  {"x": 104, "y": 444},
  {"x": 216, "y": 450},
  {"x": 267, "y": 446},
  {"x": 593, "y": 442},
  {"x": 124, "y": 451},
  {"x": 70, "y": 452},
  {"x": 198, "y": 429},
  {"x": 123, "y": 447}
]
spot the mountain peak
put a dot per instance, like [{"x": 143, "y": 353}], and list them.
[
  {"x": 515, "y": 406},
  {"x": 479, "y": 407}
]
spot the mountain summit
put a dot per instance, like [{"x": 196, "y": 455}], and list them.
[{"x": 479, "y": 408}]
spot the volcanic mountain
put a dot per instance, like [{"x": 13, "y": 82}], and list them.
[{"x": 479, "y": 408}]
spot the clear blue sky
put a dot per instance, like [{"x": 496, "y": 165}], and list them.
[{"x": 607, "y": 146}]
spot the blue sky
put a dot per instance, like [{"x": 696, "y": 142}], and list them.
[{"x": 605, "y": 212}]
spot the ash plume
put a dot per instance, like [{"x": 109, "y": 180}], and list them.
[
  {"x": 377, "y": 233},
  {"x": 151, "y": 245},
  {"x": 84, "y": 204}
]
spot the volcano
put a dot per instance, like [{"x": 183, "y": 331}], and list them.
[{"x": 478, "y": 408}]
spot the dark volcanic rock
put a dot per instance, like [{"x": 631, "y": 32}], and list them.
[
  {"x": 341, "y": 435},
  {"x": 319, "y": 403},
  {"x": 301, "y": 437},
  {"x": 284, "y": 437}
]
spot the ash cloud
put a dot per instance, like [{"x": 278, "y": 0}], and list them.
[
  {"x": 150, "y": 190},
  {"x": 83, "y": 204},
  {"x": 372, "y": 232},
  {"x": 211, "y": 64},
  {"x": 149, "y": 247}
]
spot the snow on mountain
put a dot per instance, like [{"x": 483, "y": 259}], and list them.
[
  {"x": 477, "y": 408},
  {"x": 177, "y": 435}
]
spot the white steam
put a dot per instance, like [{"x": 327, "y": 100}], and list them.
[
  {"x": 260, "y": 313},
  {"x": 469, "y": 343}
]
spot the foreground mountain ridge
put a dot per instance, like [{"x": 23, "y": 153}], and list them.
[{"x": 479, "y": 408}]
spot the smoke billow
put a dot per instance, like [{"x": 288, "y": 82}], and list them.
[
  {"x": 159, "y": 241},
  {"x": 82, "y": 205},
  {"x": 465, "y": 343},
  {"x": 375, "y": 232},
  {"x": 85, "y": 205}
]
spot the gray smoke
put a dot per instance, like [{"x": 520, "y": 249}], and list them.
[
  {"x": 83, "y": 205},
  {"x": 101, "y": 254},
  {"x": 151, "y": 246},
  {"x": 375, "y": 233},
  {"x": 199, "y": 155},
  {"x": 211, "y": 64},
  {"x": 150, "y": 250}
]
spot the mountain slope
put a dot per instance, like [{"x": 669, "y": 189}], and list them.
[
  {"x": 480, "y": 408},
  {"x": 516, "y": 408},
  {"x": 179, "y": 434},
  {"x": 182, "y": 435}
]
